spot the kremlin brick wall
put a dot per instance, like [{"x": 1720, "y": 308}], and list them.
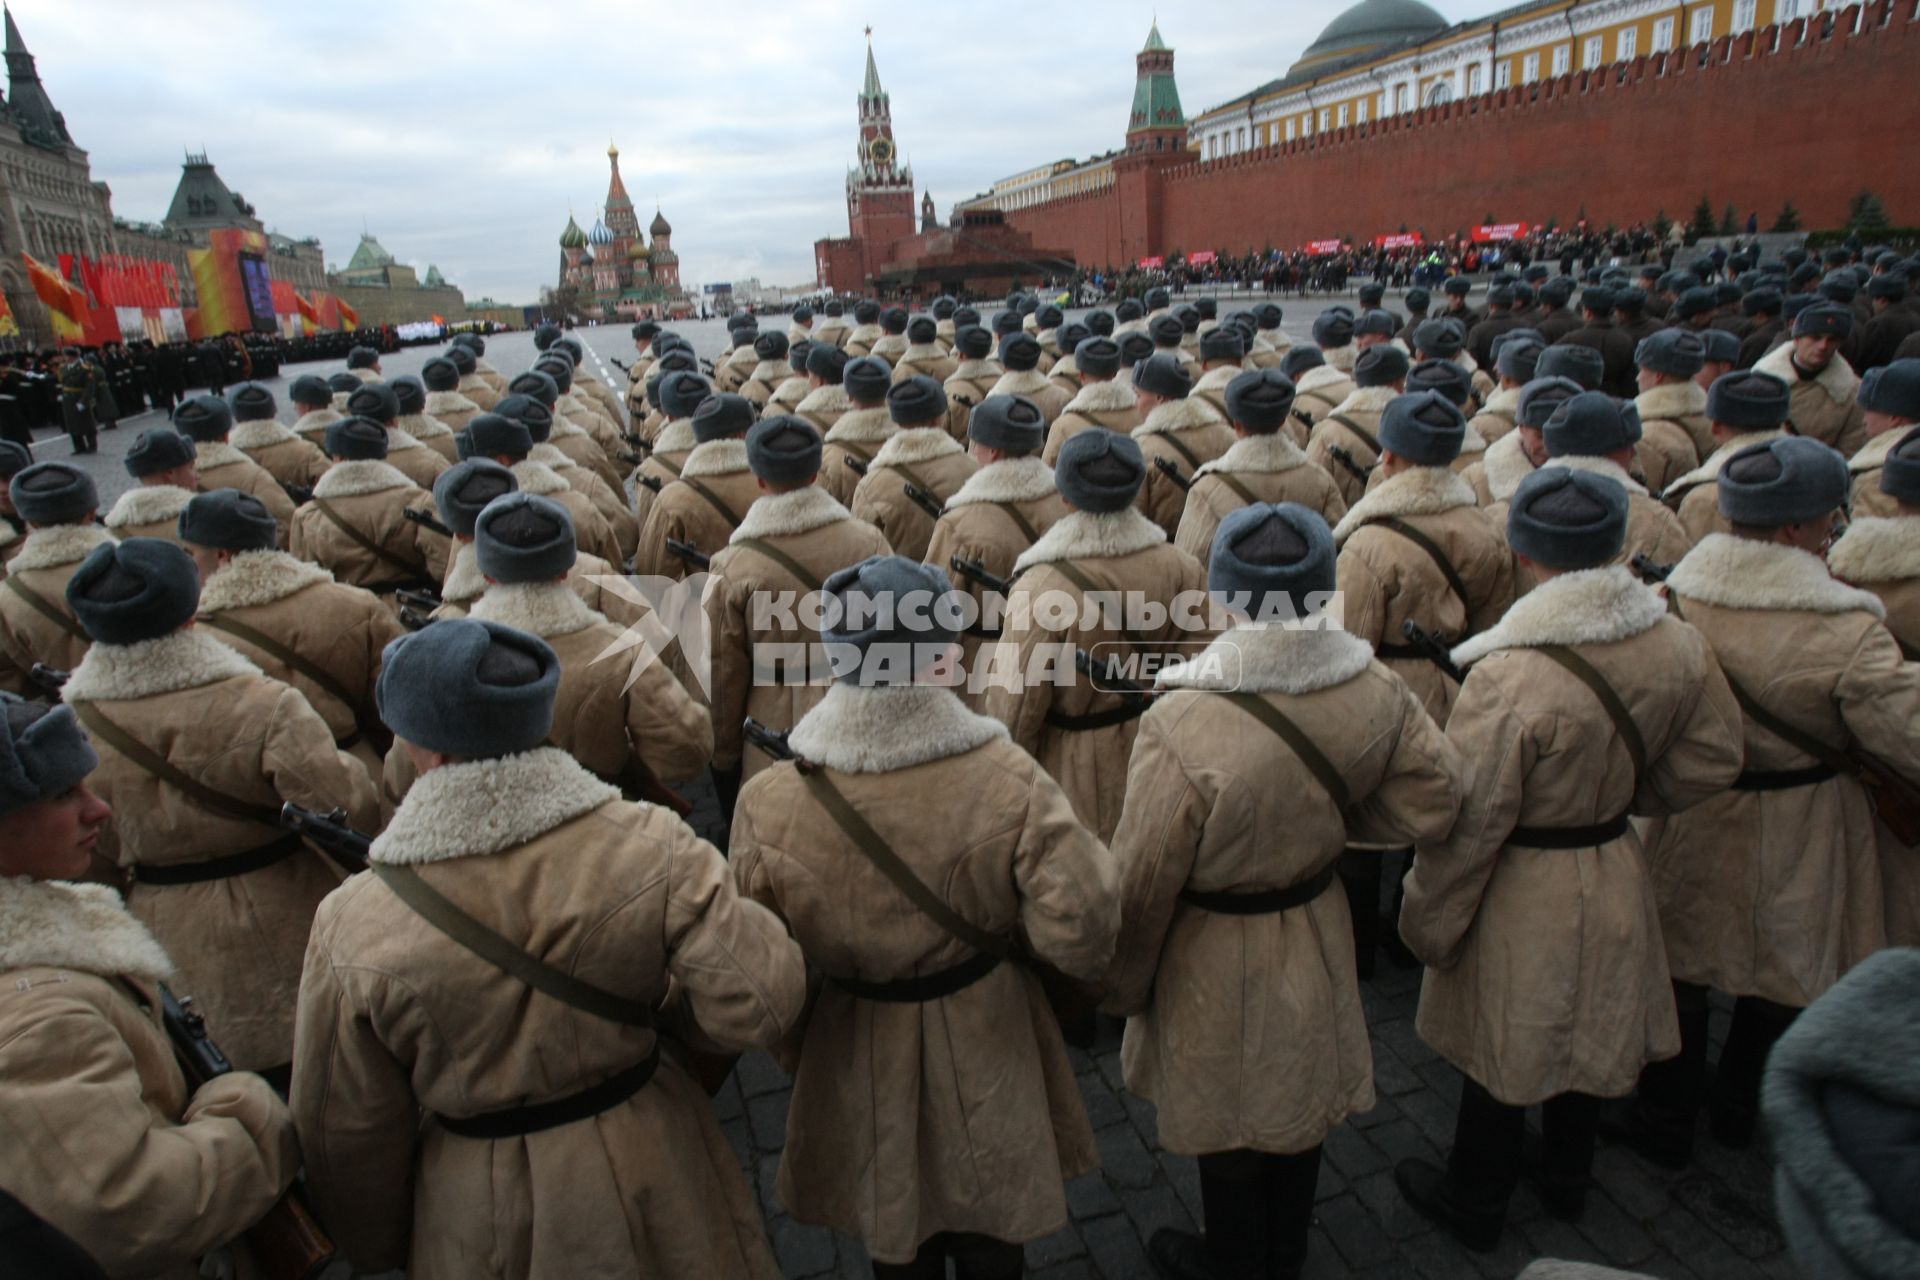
[{"x": 1827, "y": 115}]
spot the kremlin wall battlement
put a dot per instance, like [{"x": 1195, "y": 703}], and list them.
[{"x": 1811, "y": 112}]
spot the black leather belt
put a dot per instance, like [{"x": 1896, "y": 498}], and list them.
[
  {"x": 515, "y": 1121},
  {"x": 1783, "y": 779},
  {"x": 1404, "y": 652},
  {"x": 234, "y": 864},
  {"x": 925, "y": 987},
  {"x": 1131, "y": 709},
  {"x": 1568, "y": 837},
  {"x": 1261, "y": 902}
]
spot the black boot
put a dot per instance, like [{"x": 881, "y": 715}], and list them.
[
  {"x": 1733, "y": 1110},
  {"x": 1560, "y": 1162},
  {"x": 1398, "y": 951},
  {"x": 1427, "y": 1188},
  {"x": 1360, "y": 877},
  {"x": 1469, "y": 1197},
  {"x": 1657, "y": 1124},
  {"x": 1290, "y": 1182},
  {"x": 1233, "y": 1204}
]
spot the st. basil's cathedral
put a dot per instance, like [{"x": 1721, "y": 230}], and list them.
[{"x": 612, "y": 269}]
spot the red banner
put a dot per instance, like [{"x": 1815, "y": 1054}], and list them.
[
  {"x": 1500, "y": 231},
  {"x": 1325, "y": 246},
  {"x": 1203, "y": 257},
  {"x": 1405, "y": 240},
  {"x": 1152, "y": 264}
]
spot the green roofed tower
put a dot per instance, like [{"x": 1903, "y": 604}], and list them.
[{"x": 1156, "y": 122}]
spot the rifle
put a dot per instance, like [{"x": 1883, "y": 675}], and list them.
[
  {"x": 1651, "y": 571},
  {"x": 425, "y": 602},
  {"x": 923, "y": 500},
  {"x": 1304, "y": 418},
  {"x": 413, "y": 620},
  {"x": 977, "y": 571},
  {"x": 631, "y": 457},
  {"x": 637, "y": 440},
  {"x": 1108, "y": 683},
  {"x": 652, "y": 482},
  {"x": 1172, "y": 472},
  {"x": 287, "y": 1242},
  {"x": 615, "y": 361},
  {"x": 52, "y": 679},
  {"x": 1432, "y": 648},
  {"x": 768, "y": 740},
  {"x": 690, "y": 553},
  {"x": 330, "y": 832},
  {"x": 427, "y": 520},
  {"x": 299, "y": 494},
  {"x": 1345, "y": 459}
]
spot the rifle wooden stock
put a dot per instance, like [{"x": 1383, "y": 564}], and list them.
[
  {"x": 979, "y": 573},
  {"x": 1172, "y": 472},
  {"x": 690, "y": 553},
  {"x": 427, "y": 520},
  {"x": 1432, "y": 647},
  {"x": 52, "y": 679},
  {"x": 330, "y": 831},
  {"x": 924, "y": 500}
]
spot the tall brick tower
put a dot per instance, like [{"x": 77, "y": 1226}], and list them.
[
  {"x": 1156, "y": 141},
  {"x": 879, "y": 188}
]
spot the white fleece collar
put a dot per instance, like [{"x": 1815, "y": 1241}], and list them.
[
  {"x": 465, "y": 583},
  {"x": 1096, "y": 535},
  {"x": 536, "y": 478},
  {"x": 1505, "y": 466},
  {"x": 258, "y": 434},
  {"x": 1341, "y": 358},
  {"x": 979, "y": 372},
  {"x": 1271, "y": 658},
  {"x": 1671, "y": 400},
  {"x": 1217, "y": 379},
  {"x": 439, "y": 402},
  {"x": 326, "y": 415},
  {"x": 890, "y": 347},
  {"x": 1111, "y": 396},
  {"x": 915, "y": 444},
  {"x": 919, "y": 352},
  {"x": 542, "y": 608},
  {"x": 1600, "y": 467},
  {"x": 771, "y": 373},
  {"x": 867, "y": 334},
  {"x": 1837, "y": 380},
  {"x": 487, "y": 806},
  {"x": 57, "y": 544},
  {"x": 862, "y": 426},
  {"x": 1737, "y": 573},
  {"x": 1417, "y": 491},
  {"x": 549, "y": 455},
  {"x": 188, "y": 659},
  {"x": 350, "y": 479},
  {"x": 716, "y": 458},
  {"x": 1872, "y": 455},
  {"x": 258, "y": 577},
  {"x": 1259, "y": 455},
  {"x": 1505, "y": 399},
  {"x": 398, "y": 441},
  {"x": 57, "y": 925},
  {"x": 422, "y": 427},
  {"x": 1320, "y": 377},
  {"x": 796, "y": 511},
  {"x": 1022, "y": 382},
  {"x": 1367, "y": 400},
  {"x": 1177, "y": 415},
  {"x": 676, "y": 437},
  {"x": 217, "y": 453},
  {"x": 1878, "y": 549},
  {"x": 1592, "y": 606},
  {"x": 1710, "y": 469},
  {"x": 858, "y": 730},
  {"x": 148, "y": 504},
  {"x": 831, "y": 398},
  {"x": 1009, "y": 480}
]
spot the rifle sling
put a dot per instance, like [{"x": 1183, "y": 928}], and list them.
[
  {"x": 1240, "y": 490},
  {"x": 1020, "y": 522},
  {"x": 1193, "y": 461},
  {"x": 1371, "y": 441},
  {"x": 1086, "y": 586},
  {"x": 865, "y": 455},
  {"x": 1616, "y": 709},
  {"x": 1831, "y": 756},
  {"x": 874, "y": 848},
  {"x": 808, "y": 579},
  {"x": 726, "y": 512},
  {"x": 162, "y": 769},
  {"x": 412, "y": 571},
  {"x": 45, "y": 607},
  {"x": 430, "y": 905},
  {"x": 297, "y": 662},
  {"x": 1432, "y": 548},
  {"x": 1290, "y": 733}
]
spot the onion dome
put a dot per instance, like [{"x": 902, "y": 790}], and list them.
[{"x": 573, "y": 237}]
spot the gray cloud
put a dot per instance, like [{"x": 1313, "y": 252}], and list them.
[{"x": 462, "y": 132}]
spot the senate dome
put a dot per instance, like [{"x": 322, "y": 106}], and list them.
[{"x": 1370, "y": 26}]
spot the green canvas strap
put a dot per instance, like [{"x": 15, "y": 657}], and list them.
[
  {"x": 718, "y": 503},
  {"x": 807, "y": 577},
  {"x": 1302, "y": 746},
  {"x": 875, "y": 849},
  {"x": 1193, "y": 460},
  {"x": 45, "y": 608},
  {"x": 1372, "y": 442},
  {"x": 1432, "y": 548},
  {"x": 296, "y": 661},
  {"x": 412, "y": 571},
  {"x": 430, "y": 905},
  {"x": 1226, "y": 478},
  {"x": 1020, "y": 521},
  {"x": 164, "y": 770},
  {"x": 1616, "y": 709}
]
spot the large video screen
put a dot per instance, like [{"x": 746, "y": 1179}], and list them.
[{"x": 259, "y": 287}]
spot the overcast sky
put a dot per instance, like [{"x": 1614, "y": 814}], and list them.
[{"x": 462, "y": 133}]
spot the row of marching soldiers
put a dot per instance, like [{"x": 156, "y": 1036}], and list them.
[{"x": 494, "y": 1040}]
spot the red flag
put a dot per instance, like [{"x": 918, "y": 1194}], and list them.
[
  {"x": 59, "y": 296},
  {"x": 308, "y": 311},
  {"x": 349, "y": 318}
]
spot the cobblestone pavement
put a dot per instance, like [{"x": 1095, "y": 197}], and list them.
[{"x": 1715, "y": 1221}]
